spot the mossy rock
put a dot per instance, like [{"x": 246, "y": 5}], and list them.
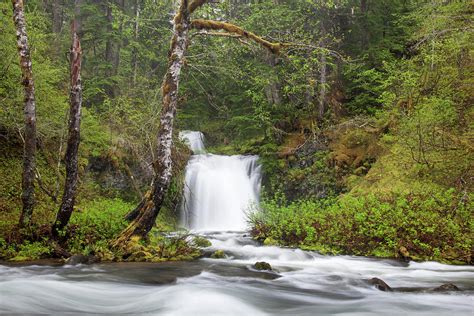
[
  {"x": 201, "y": 242},
  {"x": 140, "y": 256},
  {"x": 20, "y": 258},
  {"x": 218, "y": 254},
  {"x": 262, "y": 265},
  {"x": 270, "y": 242},
  {"x": 360, "y": 171}
]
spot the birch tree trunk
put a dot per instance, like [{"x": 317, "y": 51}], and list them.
[
  {"x": 29, "y": 150},
  {"x": 150, "y": 207},
  {"x": 71, "y": 158}
]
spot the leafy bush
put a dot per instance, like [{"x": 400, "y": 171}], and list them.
[
  {"x": 433, "y": 227},
  {"x": 32, "y": 251},
  {"x": 96, "y": 223}
]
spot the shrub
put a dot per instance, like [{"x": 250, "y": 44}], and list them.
[
  {"x": 430, "y": 227},
  {"x": 96, "y": 223},
  {"x": 32, "y": 251}
]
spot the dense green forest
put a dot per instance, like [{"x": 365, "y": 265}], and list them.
[{"x": 360, "y": 111}]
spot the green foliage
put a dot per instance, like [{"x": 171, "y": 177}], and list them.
[
  {"x": 431, "y": 227},
  {"x": 159, "y": 247},
  {"x": 95, "y": 223},
  {"x": 32, "y": 251}
]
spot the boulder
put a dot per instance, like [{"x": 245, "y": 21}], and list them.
[
  {"x": 404, "y": 254},
  {"x": 262, "y": 265},
  {"x": 201, "y": 242},
  {"x": 81, "y": 259},
  {"x": 380, "y": 284},
  {"x": 270, "y": 242},
  {"x": 77, "y": 259},
  {"x": 446, "y": 288},
  {"x": 218, "y": 254}
]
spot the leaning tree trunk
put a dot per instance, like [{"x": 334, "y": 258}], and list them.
[
  {"x": 71, "y": 159},
  {"x": 29, "y": 151},
  {"x": 149, "y": 208}
]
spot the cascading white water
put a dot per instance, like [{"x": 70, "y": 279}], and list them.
[
  {"x": 218, "y": 189},
  {"x": 195, "y": 141}
]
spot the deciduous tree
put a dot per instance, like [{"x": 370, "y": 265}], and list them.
[
  {"x": 29, "y": 149},
  {"x": 74, "y": 134}
]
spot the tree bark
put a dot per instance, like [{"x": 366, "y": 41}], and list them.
[
  {"x": 29, "y": 150},
  {"x": 322, "y": 73},
  {"x": 74, "y": 134},
  {"x": 56, "y": 8},
  {"x": 116, "y": 53},
  {"x": 364, "y": 10},
  {"x": 135, "y": 49},
  {"x": 322, "y": 85},
  {"x": 272, "y": 90},
  {"x": 149, "y": 209},
  {"x": 109, "y": 55}
]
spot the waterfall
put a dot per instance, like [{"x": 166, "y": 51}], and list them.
[
  {"x": 195, "y": 141},
  {"x": 218, "y": 189}
]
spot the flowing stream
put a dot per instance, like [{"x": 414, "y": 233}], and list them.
[{"x": 219, "y": 190}]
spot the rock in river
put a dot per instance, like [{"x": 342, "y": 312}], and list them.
[
  {"x": 380, "y": 284},
  {"x": 262, "y": 265},
  {"x": 81, "y": 259},
  {"x": 446, "y": 288}
]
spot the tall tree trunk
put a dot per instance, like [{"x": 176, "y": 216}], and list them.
[
  {"x": 145, "y": 219},
  {"x": 116, "y": 53},
  {"x": 364, "y": 10},
  {"x": 29, "y": 150},
  {"x": 75, "y": 101},
  {"x": 322, "y": 72},
  {"x": 109, "y": 53},
  {"x": 322, "y": 85},
  {"x": 272, "y": 90},
  {"x": 57, "y": 16},
  {"x": 135, "y": 49}
]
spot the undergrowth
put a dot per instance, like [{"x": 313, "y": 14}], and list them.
[{"x": 419, "y": 227}]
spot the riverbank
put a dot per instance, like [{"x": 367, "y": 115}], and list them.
[
  {"x": 435, "y": 227},
  {"x": 301, "y": 283}
]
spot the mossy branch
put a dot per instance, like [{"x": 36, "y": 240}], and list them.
[
  {"x": 195, "y": 4},
  {"x": 201, "y": 24},
  {"x": 221, "y": 34}
]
